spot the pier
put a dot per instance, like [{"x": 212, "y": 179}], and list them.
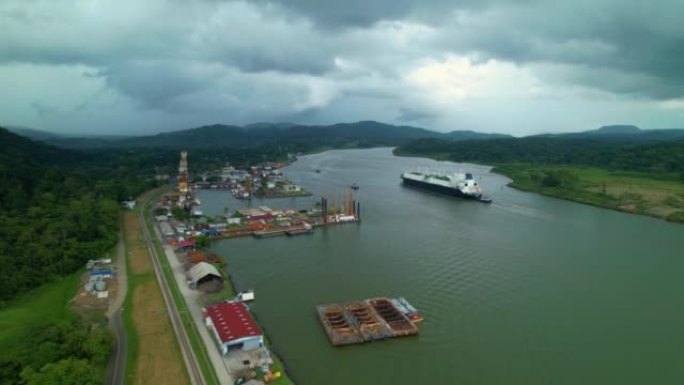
[{"x": 363, "y": 321}]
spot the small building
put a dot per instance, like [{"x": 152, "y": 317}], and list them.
[
  {"x": 186, "y": 244},
  {"x": 234, "y": 221},
  {"x": 166, "y": 229},
  {"x": 233, "y": 327},
  {"x": 102, "y": 273},
  {"x": 291, "y": 188},
  {"x": 205, "y": 277},
  {"x": 128, "y": 204}
]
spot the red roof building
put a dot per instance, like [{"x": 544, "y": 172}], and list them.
[
  {"x": 185, "y": 244},
  {"x": 233, "y": 326}
]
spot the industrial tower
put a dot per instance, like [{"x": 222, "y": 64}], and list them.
[{"x": 183, "y": 189}]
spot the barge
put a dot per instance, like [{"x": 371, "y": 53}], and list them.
[{"x": 364, "y": 321}]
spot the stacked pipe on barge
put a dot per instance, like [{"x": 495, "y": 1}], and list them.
[
  {"x": 362, "y": 321},
  {"x": 398, "y": 322},
  {"x": 337, "y": 325}
]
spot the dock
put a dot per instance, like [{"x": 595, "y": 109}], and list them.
[{"x": 364, "y": 321}]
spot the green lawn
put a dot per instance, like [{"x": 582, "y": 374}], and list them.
[
  {"x": 660, "y": 195},
  {"x": 44, "y": 305}
]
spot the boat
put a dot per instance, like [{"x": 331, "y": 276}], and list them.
[
  {"x": 458, "y": 184},
  {"x": 299, "y": 230},
  {"x": 405, "y": 308},
  {"x": 245, "y": 296},
  {"x": 354, "y": 186}
]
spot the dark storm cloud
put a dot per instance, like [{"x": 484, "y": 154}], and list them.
[
  {"x": 363, "y": 13},
  {"x": 339, "y": 60},
  {"x": 408, "y": 114}
]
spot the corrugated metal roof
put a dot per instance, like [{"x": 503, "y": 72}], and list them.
[
  {"x": 201, "y": 270},
  {"x": 232, "y": 321}
]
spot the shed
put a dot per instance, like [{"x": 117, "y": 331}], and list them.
[
  {"x": 166, "y": 229},
  {"x": 233, "y": 327},
  {"x": 204, "y": 276}
]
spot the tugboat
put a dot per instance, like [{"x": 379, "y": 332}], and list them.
[
  {"x": 457, "y": 184},
  {"x": 354, "y": 186},
  {"x": 405, "y": 308}
]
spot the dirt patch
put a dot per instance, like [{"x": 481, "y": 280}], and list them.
[
  {"x": 138, "y": 258},
  {"x": 86, "y": 303},
  {"x": 159, "y": 359}
]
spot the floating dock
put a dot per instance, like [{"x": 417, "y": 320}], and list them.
[{"x": 363, "y": 321}]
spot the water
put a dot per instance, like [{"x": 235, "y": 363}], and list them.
[{"x": 527, "y": 290}]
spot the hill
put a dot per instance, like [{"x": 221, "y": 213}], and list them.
[
  {"x": 623, "y": 133},
  {"x": 52, "y": 220},
  {"x": 300, "y": 137}
]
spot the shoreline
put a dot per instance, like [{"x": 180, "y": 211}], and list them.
[
  {"x": 582, "y": 196},
  {"x": 193, "y": 302}
]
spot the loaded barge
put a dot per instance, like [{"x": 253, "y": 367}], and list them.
[{"x": 363, "y": 321}]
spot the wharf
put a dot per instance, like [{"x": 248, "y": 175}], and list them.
[
  {"x": 269, "y": 233},
  {"x": 363, "y": 321}
]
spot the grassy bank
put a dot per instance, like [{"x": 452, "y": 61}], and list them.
[
  {"x": 660, "y": 195},
  {"x": 43, "y": 306}
]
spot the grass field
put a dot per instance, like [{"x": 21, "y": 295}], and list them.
[
  {"x": 153, "y": 353},
  {"x": 659, "y": 196},
  {"x": 195, "y": 339},
  {"x": 47, "y": 304}
]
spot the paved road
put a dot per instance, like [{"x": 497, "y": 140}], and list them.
[
  {"x": 192, "y": 298},
  {"x": 117, "y": 361},
  {"x": 196, "y": 376}
]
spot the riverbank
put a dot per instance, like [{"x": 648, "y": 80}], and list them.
[
  {"x": 656, "y": 195},
  {"x": 226, "y": 368},
  {"x": 632, "y": 192}
]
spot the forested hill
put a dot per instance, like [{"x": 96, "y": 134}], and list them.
[
  {"x": 624, "y": 133},
  {"x": 51, "y": 220},
  {"x": 652, "y": 156},
  {"x": 298, "y": 137}
]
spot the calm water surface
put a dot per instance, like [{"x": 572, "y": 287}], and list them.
[{"x": 527, "y": 290}]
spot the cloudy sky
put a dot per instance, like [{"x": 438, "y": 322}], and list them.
[{"x": 519, "y": 67}]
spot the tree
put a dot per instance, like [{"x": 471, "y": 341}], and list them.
[
  {"x": 69, "y": 371},
  {"x": 202, "y": 242}
]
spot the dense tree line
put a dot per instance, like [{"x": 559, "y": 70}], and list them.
[
  {"x": 655, "y": 157},
  {"x": 54, "y": 216},
  {"x": 70, "y": 352}
]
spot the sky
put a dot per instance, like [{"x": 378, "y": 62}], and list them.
[{"x": 517, "y": 67}]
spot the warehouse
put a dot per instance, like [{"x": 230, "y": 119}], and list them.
[
  {"x": 205, "y": 277},
  {"x": 233, "y": 327}
]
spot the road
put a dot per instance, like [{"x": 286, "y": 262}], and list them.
[
  {"x": 193, "y": 368},
  {"x": 117, "y": 361}
]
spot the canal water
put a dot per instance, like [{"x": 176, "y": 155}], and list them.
[{"x": 527, "y": 290}]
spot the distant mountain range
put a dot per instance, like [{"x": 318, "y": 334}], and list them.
[
  {"x": 624, "y": 133},
  {"x": 359, "y": 134}
]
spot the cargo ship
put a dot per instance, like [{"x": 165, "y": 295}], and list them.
[{"x": 458, "y": 184}]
